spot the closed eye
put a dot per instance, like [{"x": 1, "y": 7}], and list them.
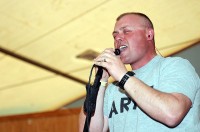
[
  {"x": 115, "y": 34},
  {"x": 127, "y": 31}
]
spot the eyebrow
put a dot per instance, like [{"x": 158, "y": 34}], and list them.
[
  {"x": 120, "y": 29},
  {"x": 114, "y": 32}
]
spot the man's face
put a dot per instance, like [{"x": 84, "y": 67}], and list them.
[{"x": 131, "y": 37}]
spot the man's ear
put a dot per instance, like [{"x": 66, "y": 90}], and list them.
[{"x": 150, "y": 34}]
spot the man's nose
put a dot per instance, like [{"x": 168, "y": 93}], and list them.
[
  {"x": 118, "y": 42},
  {"x": 119, "y": 37}
]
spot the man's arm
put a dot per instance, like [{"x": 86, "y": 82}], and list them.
[
  {"x": 168, "y": 108},
  {"x": 98, "y": 123}
]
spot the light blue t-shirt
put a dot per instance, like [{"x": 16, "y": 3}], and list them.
[{"x": 171, "y": 74}]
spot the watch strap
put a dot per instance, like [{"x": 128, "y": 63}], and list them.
[{"x": 125, "y": 78}]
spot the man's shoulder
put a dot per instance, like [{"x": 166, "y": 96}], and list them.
[{"x": 174, "y": 61}]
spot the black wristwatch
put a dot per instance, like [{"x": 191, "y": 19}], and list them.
[{"x": 125, "y": 78}]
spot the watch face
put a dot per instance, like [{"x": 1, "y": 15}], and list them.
[{"x": 130, "y": 73}]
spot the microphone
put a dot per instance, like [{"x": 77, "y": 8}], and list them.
[{"x": 117, "y": 51}]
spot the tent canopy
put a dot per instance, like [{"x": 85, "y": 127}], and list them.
[{"x": 47, "y": 46}]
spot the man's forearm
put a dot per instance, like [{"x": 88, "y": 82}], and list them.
[{"x": 97, "y": 120}]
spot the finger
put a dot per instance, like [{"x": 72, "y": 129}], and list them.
[
  {"x": 104, "y": 59},
  {"x": 101, "y": 62},
  {"x": 106, "y": 56},
  {"x": 98, "y": 63},
  {"x": 109, "y": 51}
]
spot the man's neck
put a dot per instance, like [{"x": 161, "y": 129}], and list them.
[{"x": 142, "y": 61}]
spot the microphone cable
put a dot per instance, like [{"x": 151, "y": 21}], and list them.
[
  {"x": 91, "y": 96},
  {"x": 92, "y": 92}
]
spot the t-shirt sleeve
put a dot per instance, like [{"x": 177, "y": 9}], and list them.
[{"x": 179, "y": 76}]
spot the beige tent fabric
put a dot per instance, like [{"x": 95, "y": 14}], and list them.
[{"x": 54, "y": 33}]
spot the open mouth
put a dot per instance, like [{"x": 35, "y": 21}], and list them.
[{"x": 123, "y": 47}]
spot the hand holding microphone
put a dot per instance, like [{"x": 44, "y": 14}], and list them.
[
  {"x": 111, "y": 62},
  {"x": 100, "y": 68}
]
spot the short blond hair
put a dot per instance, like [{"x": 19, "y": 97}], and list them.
[{"x": 149, "y": 22}]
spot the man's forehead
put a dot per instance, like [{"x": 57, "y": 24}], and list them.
[
  {"x": 129, "y": 21},
  {"x": 121, "y": 26},
  {"x": 124, "y": 27}
]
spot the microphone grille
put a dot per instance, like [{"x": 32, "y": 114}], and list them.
[{"x": 117, "y": 52}]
